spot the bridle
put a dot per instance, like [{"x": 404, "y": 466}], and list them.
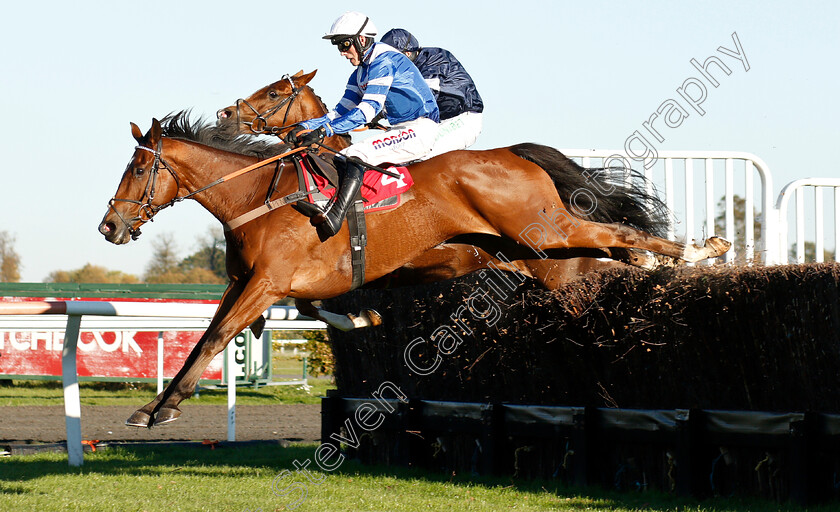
[
  {"x": 146, "y": 207},
  {"x": 260, "y": 123},
  {"x": 150, "y": 210}
]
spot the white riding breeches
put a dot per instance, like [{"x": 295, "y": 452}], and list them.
[
  {"x": 402, "y": 143},
  {"x": 459, "y": 132}
]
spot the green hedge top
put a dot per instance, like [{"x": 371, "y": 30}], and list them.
[{"x": 113, "y": 291}]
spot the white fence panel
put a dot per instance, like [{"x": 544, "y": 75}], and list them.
[
  {"x": 815, "y": 188},
  {"x": 694, "y": 204}
]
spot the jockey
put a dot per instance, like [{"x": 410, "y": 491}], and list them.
[
  {"x": 384, "y": 79},
  {"x": 457, "y": 97}
]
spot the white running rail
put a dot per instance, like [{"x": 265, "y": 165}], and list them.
[
  {"x": 675, "y": 175},
  {"x": 160, "y": 314},
  {"x": 796, "y": 189}
]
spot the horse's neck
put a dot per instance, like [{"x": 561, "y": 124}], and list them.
[
  {"x": 198, "y": 166},
  {"x": 310, "y": 106}
]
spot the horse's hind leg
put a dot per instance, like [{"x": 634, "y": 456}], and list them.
[
  {"x": 562, "y": 230},
  {"x": 348, "y": 322}
]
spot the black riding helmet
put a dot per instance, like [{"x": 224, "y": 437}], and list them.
[{"x": 402, "y": 40}]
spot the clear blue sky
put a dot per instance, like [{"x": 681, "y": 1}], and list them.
[{"x": 566, "y": 74}]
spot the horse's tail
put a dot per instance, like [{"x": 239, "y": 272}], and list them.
[{"x": 614, "y": 194}]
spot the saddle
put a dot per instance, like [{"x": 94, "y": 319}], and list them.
[
  {"x": 318, "y": 181},
  {"x": 318, "y": 177}
]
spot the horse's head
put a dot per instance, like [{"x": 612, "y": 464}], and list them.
[
  {"x": 276, "y": 106},
  {"x": 143, "y": 191}
]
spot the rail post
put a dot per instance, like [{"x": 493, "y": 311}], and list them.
[
  {"x": 70, "y": 382},
  {"x": 230, "y": 354},
  {"x": 160, "y": 362}
]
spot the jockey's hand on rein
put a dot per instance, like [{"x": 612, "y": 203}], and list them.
[
  {"x": 313, "y": 137},
  {"x": 291, "y": 138},
  {"x": 306, "y": 139}
]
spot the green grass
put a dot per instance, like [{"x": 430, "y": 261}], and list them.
[
  {"x": 240, "y": 479},
  {"x": 114, "y": 393}
]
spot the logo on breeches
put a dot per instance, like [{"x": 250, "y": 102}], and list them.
[{"x": 395, "y": 139}]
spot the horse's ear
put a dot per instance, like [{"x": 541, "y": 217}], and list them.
[
  {"x": 297, "y": 74},
  {"x": 154, "y": 133},
  {"x": 302, "y": 79},
  {"x": 136, "y": 133}
]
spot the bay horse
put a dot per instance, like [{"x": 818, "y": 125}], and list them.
[
  {"x": 277, "y": 107},
  {"x": 496, "y": 193}
]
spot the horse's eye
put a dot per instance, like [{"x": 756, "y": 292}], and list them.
[
  {"x": 273, "y": 95},
  {"x": 138, "y": 171}
]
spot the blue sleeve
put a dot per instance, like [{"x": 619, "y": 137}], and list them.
[
  {"x": 346, "y": 105},
  {"x": 317, "y": 122},
  {"x": 367, "y": 103}
]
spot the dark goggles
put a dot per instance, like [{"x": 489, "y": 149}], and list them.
[{"x": 343, "y": 45}]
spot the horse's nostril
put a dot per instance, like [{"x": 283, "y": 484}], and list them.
[{"x": 106, "y": 227}]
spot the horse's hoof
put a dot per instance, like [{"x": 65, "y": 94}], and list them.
[
  {"x": 306, "y": 308},
  {"x": 258, "y": 326},
  {"x": 373, "y": 317},
  {"x": 714, "y": 247},
  {"x": 138, "y": 419},
  {"x": 367, "y": 318},
  {"x": 717, "y": 246},
  {"x": 166, "y": 415}
]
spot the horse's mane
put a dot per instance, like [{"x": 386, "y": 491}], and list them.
[{"x": 178, "y": 125}]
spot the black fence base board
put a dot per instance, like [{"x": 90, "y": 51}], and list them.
[{"x": 780, "y": 456}]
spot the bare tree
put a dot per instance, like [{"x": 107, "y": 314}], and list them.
[
  {"x": 210, "y": 254},
  {"x": 9, "y": 259},
  {"x": 164, "y": 264},
  {"x": 207, "y": 265}
]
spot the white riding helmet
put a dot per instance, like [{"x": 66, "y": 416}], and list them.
[{"x": 352, "y": 23}]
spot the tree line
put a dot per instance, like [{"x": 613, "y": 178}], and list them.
[{"x": 206, "y": 265}]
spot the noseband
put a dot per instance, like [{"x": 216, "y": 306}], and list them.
[
  {"x": 146, "y": 207},
  {"x": 260, "y": 123}
]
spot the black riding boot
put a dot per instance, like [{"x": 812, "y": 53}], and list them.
[{"x": 333, "y": 218}]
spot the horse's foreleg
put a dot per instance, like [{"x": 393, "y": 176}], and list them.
[
  {"x": 239, "y": 307},
  {"x": 348, "y": 322},
  {"x": 144, "y": 416}
]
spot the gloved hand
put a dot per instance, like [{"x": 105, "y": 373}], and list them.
[
  {"x": 313, "y": 137},
  {"x": 307, "y": 139},
  {"x": 291, "y": 138}
]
